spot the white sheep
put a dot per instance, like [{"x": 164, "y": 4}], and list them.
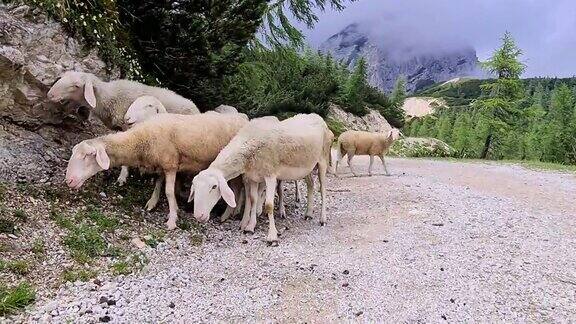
[
  {"x": 266, "y": 152},
  {"x": 353, "y": 143},
  {"x": 167, "y": 143},
  {"x": 109, "y": 101}
]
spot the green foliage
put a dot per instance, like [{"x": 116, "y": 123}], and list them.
[
  {"x": 15, "y": 298},
  {"x": 20, "y": 215},
  {"x": 285, "y": 81},
  {"x": 422, "y": 147},
  {"x": 85, "y": 243},
  {"x": 190, "y": 45},
  {"x": 278, "y": 29},
  {"x": 38, "y": 247},
  {"x": 19, "y": 267},
  {"x": 97, "y": 22},
  {"x": 71, "y": 275},
  {"x": 336, "y": 126},
  {"x": 7, "y": 226}
]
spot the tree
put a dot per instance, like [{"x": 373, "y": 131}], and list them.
[
  {"x": 278, "y": 29},
  {"x": 500, "y": 108},
  {"x": 355, "y": 88},
  {"x": 191, "y": 45},
  {"x": 399, "y": 92}
]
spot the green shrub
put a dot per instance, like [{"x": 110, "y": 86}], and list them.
[
  {"x": 78, "y": 275},
  {"x": 16, "y": 298}
]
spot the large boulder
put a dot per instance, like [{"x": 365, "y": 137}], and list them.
[
  {"x": 340, "y": 120},
  {"x": 421, "y": 147},
  {"x": 35, "y": 134}
]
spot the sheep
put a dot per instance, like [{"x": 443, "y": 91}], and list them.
[
  {"x": 166, "y": 143},
  {"x": 225, "y": 109},
  {"x": 109, "y": 101},
  {"x": 353, "y": 143},
  {"x": 266, "y": 152}
]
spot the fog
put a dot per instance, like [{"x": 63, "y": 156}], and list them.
[{"x": 544, "y": 30}]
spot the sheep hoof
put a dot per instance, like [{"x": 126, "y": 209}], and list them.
[
  {"x": 121, "y": 182},
  {"x": 150, "y": 205},
  {"x": 273, "y": 243},
  {"x": 248, "y": 231},
  {"x": 322, "y": 223},
  {"x": 171, "y": 225},
  {"x": 307, "y": 217}
]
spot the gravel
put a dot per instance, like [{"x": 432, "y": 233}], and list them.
[{"x": 436, "y": 241}]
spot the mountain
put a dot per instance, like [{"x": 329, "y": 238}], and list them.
[{"x": 422, "y": 67}]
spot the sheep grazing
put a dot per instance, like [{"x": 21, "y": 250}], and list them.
[
  {"x": 168, "y": 143},
  {"x": 109, "y": 101},
  {"x": 265, "y": 151},
  {"x": 353, "y": 143}
]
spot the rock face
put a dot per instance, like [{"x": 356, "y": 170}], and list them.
[
  {"x": 372, "y": 122},
  {"x": 386, "y": 62},
  {"x": 36, "y": 135},
  {"x": 421, "y": 106}
]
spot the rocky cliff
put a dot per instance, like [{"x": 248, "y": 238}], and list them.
[
  {"x": 387, "y": 61},
  {"x": 36, "y": 135}
]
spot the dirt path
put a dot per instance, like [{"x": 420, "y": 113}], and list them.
[{"x": 435, "y": 241}]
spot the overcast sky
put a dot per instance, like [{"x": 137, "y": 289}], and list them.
[{"x": 544, "y": 29}]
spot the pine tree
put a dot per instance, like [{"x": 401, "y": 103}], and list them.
[
  {"x": 399, "y": 92},
  {"x": 355, "y": 88},
  {"x": 500, "y": 108}
]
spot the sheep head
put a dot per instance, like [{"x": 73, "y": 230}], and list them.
[
  {"x": 207, "y": 188},
  {"x": 142, "y": 109},
  {"x": 74, "y": 86},
  {"x": 88, "y": 158}
]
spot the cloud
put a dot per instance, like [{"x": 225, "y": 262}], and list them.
[{"x": 543, "y": 29}]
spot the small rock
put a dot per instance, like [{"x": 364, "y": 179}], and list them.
[
  {"x": 103, "y": 299},
  {"x": 452, "y": 300},
  {"x": 444, "y": 317},
  {"x": 105, "y": 319},
  {"x": 12, "y": 236},
  {"x": 345, "y": 284},
  {"x": 358, "y": 313},
  {"x": 441, "y": 269},
  {"x": 345, "y": 272},
  {"x": 437, "y": 224},
  {"x": 103, "y": 194},
  {"x": 111, "y": 302},
  {"x": 138, "y": 243},
  {"x": 171, "y": 305},
  {"x": 97, "y": 282}
]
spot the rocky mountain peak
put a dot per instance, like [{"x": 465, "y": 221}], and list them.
[{"x": 388, "y": 59}]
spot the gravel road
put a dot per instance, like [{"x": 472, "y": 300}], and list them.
[{"x": 435, "y": 241}]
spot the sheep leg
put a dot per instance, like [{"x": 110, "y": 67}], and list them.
[
  {"x": 173, "y": 205},
  {"x": 322, "y": 169},
  {"x": 272, "y": 237},
  {"x": 234, "y": 211},
  {"x": 153, "y": 201},
  {"x": 384, "y": 164},
  {"x": 281, "y": 208},
  {"x": 297, "y": 191},
  {"x": 310, "y": 188},
  {"x": 261, "y": 198},
  {"x": 123, "y": 176},
  {"x": 255, "y": 201},
  {"x": 339, "y": 157},
  {"x": 370, "y": 166},
  {"x": 247, "y": 206},
  {"x": 350, "y": 156}
]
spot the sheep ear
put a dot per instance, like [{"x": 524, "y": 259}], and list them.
[
  {"x": 227, "y": 193},
  {"x": 89, "y": 93},
  {"x": 102, "y": 157},
  {"x": 191, "y": 197}
]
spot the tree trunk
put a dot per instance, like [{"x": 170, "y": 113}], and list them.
[{"x": 486, "y": 148}]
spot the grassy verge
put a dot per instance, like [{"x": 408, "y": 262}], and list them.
[
  {"x": 15, "y": 298},
  {"x": 532, "y": 165}
]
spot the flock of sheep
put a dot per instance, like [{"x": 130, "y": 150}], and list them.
[{"x": 239, "y": 160}]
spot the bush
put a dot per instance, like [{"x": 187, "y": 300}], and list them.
[{"x": 16, "y": 298}]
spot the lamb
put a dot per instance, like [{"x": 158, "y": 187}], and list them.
[
  {"x": 266, "y": 152},
  {"x": 167, "y": 143},
  {"x": 109, "y": 101},
  {"x": 365, "y": 143}
]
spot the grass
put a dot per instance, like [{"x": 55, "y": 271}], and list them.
[
  {"x": 38, "y": 247},
  {"x": 336, "y": 126},
  {"x": 101, "y": 220},
  {"x": 19, "y": 267},
  {"x": 15, "y": 298},
  {"x": 78, "y": 275},
  {"x": 85, "y": 243},
  {"x": 7, "y": 226},
  {"x": 129, "y": 264},
  {"x": 153, "y": 238},
  {"x": 3, "y": 191},
  {"x": 21, "y": 215}
]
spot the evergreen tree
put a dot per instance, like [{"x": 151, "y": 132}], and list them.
[
  {"x": 355, "y": 88},
  {"x": 500, "y": 108},
  {"x": 399, "y": 92}
]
